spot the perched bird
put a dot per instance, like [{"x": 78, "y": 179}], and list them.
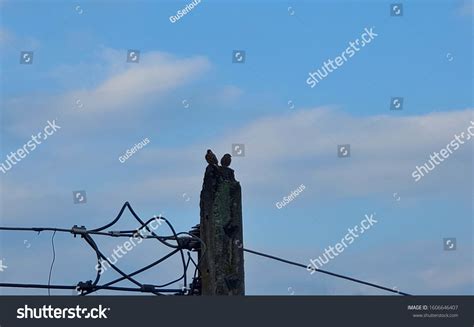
[
  {"x": 226, "y": 160},
  {"x": 211, "y": 157}
]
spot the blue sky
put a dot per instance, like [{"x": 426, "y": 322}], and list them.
[{"x": 425, "y": 56}]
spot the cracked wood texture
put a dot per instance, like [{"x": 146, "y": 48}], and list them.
[{"x": 222, "y": 268}]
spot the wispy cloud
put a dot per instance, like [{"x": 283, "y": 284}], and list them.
[
  {"x": 300, "y": 146},
  {"x": 10, "y": 41},
  {"x": 156, "y": 74},
  {"x": 123, "y": 89}
]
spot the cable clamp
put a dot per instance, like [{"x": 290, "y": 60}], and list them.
[
  {"x": 76, "y": 230},
  {"x": 85, "y": 286},
  {"x": 147, "y": 288}
]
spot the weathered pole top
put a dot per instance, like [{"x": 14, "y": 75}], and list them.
[{"x": 222, "y": 267}]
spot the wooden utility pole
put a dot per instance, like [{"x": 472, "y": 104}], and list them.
[{"x": 222, "y": 268}]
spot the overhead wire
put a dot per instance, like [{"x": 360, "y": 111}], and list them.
[
  {"x": 52, "y": 262},
  {"x": 90, "y": 287},
  {"x": 326, "y": 272}
]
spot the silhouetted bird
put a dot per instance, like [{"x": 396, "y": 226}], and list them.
[
  {"x": 211, "y": 157},
  {"x": 226, "y": 160}
]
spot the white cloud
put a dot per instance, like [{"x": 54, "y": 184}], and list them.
[
  {"x": 156, "y": 74},
  {"x": 286, "y": 150},
  {"x": 124, "y": 90},
  {"x": 385, "y": 149},
  {"x": 301, "y": 147}
]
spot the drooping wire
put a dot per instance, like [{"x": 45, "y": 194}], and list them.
[
  {"x": 153, "y": 233},
  {"x": 91, "y": 287},
  {"x": 138, "y": 271},
  {"x": 196, "y": 270},
  {"x": 52, "y": 263},
  {"x": 91, "y": 242},
  {"x": 145, "y": 224}
]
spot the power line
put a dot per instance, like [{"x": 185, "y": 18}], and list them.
[
  {"x": 326, "y": 272},
  {"x": 145, "y": 289},
  {"x": 188, "y": 243}
]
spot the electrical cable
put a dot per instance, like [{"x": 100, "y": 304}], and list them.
[
  {"x": 326, "y": 272},
  {"x": 90, "y": 287},
  {"x": 52, "y": 262}
]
